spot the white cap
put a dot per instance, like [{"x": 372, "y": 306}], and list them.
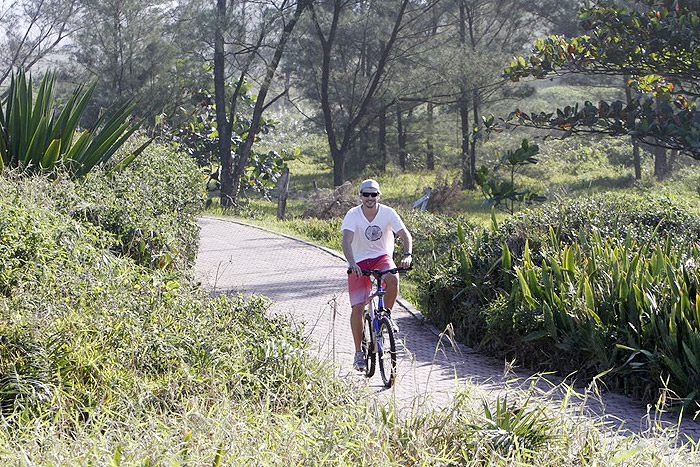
[{"x": 369, "y": 183}]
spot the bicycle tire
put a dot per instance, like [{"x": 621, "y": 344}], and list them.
[
  {"x": 368, "y": 346},
  {"x": 387, "y": 358}
]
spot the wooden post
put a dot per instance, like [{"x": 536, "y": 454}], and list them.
[{"x": 283, "y": 186}]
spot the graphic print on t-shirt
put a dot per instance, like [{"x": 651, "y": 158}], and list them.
[{"x": 373, "y": 233}]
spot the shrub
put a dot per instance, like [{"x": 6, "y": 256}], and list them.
[
  {"x": 90, "y": 338},
  {"x": 149, "y": 207},
  {"x": 594, "y": 284}
]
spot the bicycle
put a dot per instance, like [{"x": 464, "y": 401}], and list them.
[{"x": 378, "y": 339}]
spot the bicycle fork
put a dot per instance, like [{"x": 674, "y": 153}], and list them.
[{"x": 376, "y": 318}]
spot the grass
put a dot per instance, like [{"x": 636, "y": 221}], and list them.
[
  {"x": 122, "y": 364},
  {"x": 107, "y": 358}
]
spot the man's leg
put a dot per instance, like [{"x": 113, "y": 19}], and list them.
[
  {"x": 392, "y": 290},
  {"x": 356, "y": 325},
  {"x": 359, "y": 288}
]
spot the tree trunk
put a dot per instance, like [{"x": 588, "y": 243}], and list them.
[
  {"x": 283, "y": 190},
  {"x": 660, "y": 165},
  {"x": 470, "y": 17},
  {"x": 247, "y": 146},
  {"x": 382, "y": 141},
  {"x": 467, "y": 178},
  {"x": 337, "y": 153},
  {"x": 474, "y": 137},
  {"x": 350, "y": 130},
  {"x": 220, "y": 102},
  {"x": 401, "y": 138},
  {"x": 635, "y": 143},
  {"x": 467, "y": 181},
  {"x": 430, "y": 156},
  {"x": 660, "y": 162},
  {"x": 338, "y": 166}
]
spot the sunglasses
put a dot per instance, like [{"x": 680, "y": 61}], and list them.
[{"x": 367, "y": 195}]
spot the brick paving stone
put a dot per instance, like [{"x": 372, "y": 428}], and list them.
[{"x": 308, "y": 284}]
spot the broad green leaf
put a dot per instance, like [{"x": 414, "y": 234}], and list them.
[
  {"x": 672, "y": 280},
  {"x": 526, "y": 252},
  {"x": 48, "y": 162},
  {"x": 595, "y": 317},
  {"x": 535, "y": 335},
  {"x": 460, "y": 233},
  {"x": 588, "y": 293},
  {"x": 31, "y": 129},
  {"x": 524, "y": 288},
  {"x": 506, "y": 258},
  {"x": 549, "y": 320},
  {"x": 76, "y": 151}
]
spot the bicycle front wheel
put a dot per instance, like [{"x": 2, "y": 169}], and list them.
[
  {"x": 368, "y": 347},
  {"x": 387, "y": 355}
]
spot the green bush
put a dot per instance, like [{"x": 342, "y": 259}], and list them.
[
  {"x": 89, "y": 336},
  {"x": 149, "y": 207},
  {"x": 590, "y": 285},
  {"x": 104, "y": 361}
]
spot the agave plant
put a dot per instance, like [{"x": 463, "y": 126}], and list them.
[
  {"x": 38, "y": 137},
  {"x": 509, "y": 426}
]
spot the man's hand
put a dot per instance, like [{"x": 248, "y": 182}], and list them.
[
  {"x": 357, "y": 270},
  {"x": 406, "y": 261}
]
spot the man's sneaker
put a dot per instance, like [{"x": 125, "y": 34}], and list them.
[
  {"x": 394, "y": 326},
  {"x": 359, "y": 363}
]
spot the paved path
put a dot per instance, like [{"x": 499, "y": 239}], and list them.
[{"x": 308, "y": 284}]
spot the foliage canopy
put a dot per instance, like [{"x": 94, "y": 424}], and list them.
[{"x": 657, "y": 47}]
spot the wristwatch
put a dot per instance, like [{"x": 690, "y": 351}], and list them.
[{"x": 406, "y": 253}]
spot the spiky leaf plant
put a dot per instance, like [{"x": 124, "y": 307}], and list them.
[
  {"x": 507, "y": 427},
  {"x": 37, "y": 136}
]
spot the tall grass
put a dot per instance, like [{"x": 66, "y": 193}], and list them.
[{"x": 105, "y": 360}]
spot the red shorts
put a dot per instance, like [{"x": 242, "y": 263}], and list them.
[{"x": 360, "y": 287}]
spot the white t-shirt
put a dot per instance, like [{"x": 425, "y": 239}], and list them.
[{"x": 372, "y": 239}]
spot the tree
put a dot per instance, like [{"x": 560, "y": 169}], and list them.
[
  {"x": 226, "y": 114},
  {"x": 32, "y": 30},
  {"x": 658, "y": 47},
  {"x": 350, "y": 50},
  {"x": 198, "y": 137},
  {"x": 128, "y": 47},
  {"x": 486, "y": 30}
]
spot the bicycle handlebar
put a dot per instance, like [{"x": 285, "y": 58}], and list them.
[{"x": 377, "y": 272}]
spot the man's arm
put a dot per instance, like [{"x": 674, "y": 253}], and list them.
[
  {"x": 348, "y": 235},
  {"x": 407, "y": 242}
]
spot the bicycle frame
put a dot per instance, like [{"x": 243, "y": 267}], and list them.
[
  {"x": 378, "y": 339},
  {"x": 376, "y": 315}
]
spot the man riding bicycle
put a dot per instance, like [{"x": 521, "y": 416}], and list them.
[{"x": 368, "y": 243}]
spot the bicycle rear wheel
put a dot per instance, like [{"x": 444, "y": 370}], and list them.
[
  {"x": 387, "y": 355},
  {"x": 368, "y": 346}
]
